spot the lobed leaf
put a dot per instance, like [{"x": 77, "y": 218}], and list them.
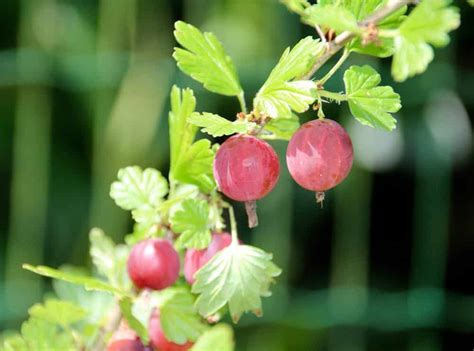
[
  {"x": 13, "y": 343},
  {"x": 192, "y": 222},
  {"x": 217, "y": 126},
  {"x": 219, "y": 337},
  {"x": 369, "y": 103},
  {"x": 278, "y": 100},
  {"x": 39, "y": 334},
  {"x": 178, "y": 316},
  {"x": 204, "y": 59},
  {"x": 96, "y": 303},
  {"x": 109, "y": 259},
  {"x": 136, "y": 188},
  {"x": 195, "y": 166},
  {"x": 239, "y": 276},
  {"x": 181, "y": 132},
  {"x": 88, "y": 283},
  {"x": 281, "y": 128},
  {"x": 383, "y": 47},
  {"x": 62, "y": 313},
  {"x": 331, "y": 16},
  {"x": 296, "y": 6},
  {"x": 428, "y": 23},
  {"x": 280, "y": 94}
]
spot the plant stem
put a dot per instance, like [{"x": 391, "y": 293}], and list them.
[
  {"x": 233, "y": 223},
  {"x": 320, "y": 33},
  {"x": 339, "y": 42},
  {"x": 241, "y": 98},
  {"x": 170, "y": 202},
  {"x": 333, "y": 70},
  {"x": 332, "y": 96},
  {"x": 388, "y": 33}
]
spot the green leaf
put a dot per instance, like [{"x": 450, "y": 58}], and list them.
[
  {"x": 95, "y": 303},
  {"x": 137, "y": 187},
  {"x": 410, "y": 58},
  {"x": 204, "y": 59},
  {"x": 296, "y": 62},
  {"x": 13, "y": 343},
  {"x": 89, "y": 283},
  {"x": 140, "y": 328},
  {"x": 428, "y": 23},
  {"x": 62, "y": 313},
  {"x": 195, "y": 166},
  {"x": 239, "y": 276},
  {"x": 40, "y": 335},
  {"x": 280, "y": 94},
  {"x": 220, "y": 337},
  {"x": 281, "y": 128},
  {"x": 146, "y": 215},
  {"x": 192, "y": 222},
  {"x": 384, "y": 47},
  {"x": 369, "y": 103},
  {"x": 109, "y": 259},
  {"x": 178, "y": 316},
  {"x": 361, "y": 8},
  {"x": 217, "y": 126},
  {"x": 190, "y": 163},
  {"x": 334, "y": 17},
  {"x": 182, "y": 133},
  {"x": 296, "y": 6},
  {"x": 280, "y": 99}
]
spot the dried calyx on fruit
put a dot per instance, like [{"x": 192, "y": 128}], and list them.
[
  {"x": 153, "y": 264},
  {"x": 246, "y": 169},
  {"x": 319, "y": 156}
]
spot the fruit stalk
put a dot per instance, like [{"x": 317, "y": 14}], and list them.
[{"x": 251, "y": 208}]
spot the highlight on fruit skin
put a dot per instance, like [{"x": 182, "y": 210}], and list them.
[
  {"x": 153, "y": 264},
  {"x": 195, "y": 259},
  {"x": 320, "y": 156},
  {"x": 158, "y": 339},
  {"x": 246, "y": 169}
]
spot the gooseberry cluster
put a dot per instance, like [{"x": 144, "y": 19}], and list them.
[
  {"x": 319, "y": 157},
  {"x": 154, "y": 264}
]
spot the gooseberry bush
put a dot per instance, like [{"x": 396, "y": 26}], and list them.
[{"x": 183, "y": 269}]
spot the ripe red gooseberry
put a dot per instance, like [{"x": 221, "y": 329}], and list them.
[
  {"x": 319, "y": 156},
  {"x": 195, "y": 259},
  {"x": 153, "y": 264},
  {"x": 246, "y": 169},
  {"x": 125, "y": 339},
  {"x": 158, "y": 339}
]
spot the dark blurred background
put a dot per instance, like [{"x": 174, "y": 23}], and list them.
[{"x": 387, "y": 264}]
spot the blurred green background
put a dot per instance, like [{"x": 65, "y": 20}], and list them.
[{"x": 386, "y": 265}]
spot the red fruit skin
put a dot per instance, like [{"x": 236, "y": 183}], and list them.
[
  {"x": 125, "y": 339},
  {"x": 158, "y": 339},
  {"x": 126, "y": 345},
  {"x": 195, "y": 259},
  {"x": 319, "y": 155},
  {"x": 153, "y": 264},
  {"x": 246, "y": 168}
]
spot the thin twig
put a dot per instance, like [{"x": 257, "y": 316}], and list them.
[
  {"x": 333, "y": 70},
  {"x": 320, "y": 33},
  {"x": 338, "y": 43}
]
